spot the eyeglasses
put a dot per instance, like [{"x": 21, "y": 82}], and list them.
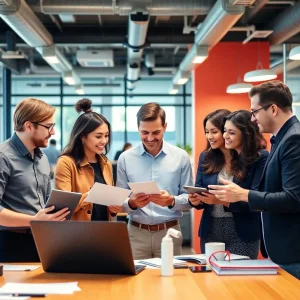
[
  {"x": 50, "y": 127},
  {"x": 213, "y": 255},
  {"x": 257, "y": 110}
]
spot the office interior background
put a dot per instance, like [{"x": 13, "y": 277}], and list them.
[{"x": 123, "y": 54}]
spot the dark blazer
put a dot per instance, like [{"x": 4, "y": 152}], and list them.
[
  {"x": 247, "y": 223},
  {"x": 279, "y": 199}
]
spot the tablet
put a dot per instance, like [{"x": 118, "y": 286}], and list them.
[
  {"x": 195, "y": 189},
  {"x": 62, "y": 199}
]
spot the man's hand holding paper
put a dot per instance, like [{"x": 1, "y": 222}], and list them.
[
  {"x": 144, "y": 192},
  {"x": 164, "y": 199}
]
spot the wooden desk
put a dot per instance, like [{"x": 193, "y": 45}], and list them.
[{"x": 183, "y": 285}]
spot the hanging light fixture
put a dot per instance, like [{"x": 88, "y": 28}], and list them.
[
  {"x": 259, "y": 74},
  {"x": 295, "y": 53},
  {"x": 239, "y": 87}
]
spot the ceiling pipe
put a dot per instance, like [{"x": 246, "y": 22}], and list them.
[
  {"x": 19, "y": 16},
  {"x": 217, "y": 23},
  {"x": 277, "y": 66},
  {"x": 285, "y": 25},
  {"x": 252, "y": 11},
  {"x": 137, "y": 32},
  {"x": 125, "y": 7},
  {"x": 116, "y": 72}
]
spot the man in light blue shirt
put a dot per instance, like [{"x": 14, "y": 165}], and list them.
[{"x": 150, "y": 216}]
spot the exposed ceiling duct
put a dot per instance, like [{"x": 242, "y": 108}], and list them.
[
  {"x": 285, "y": 25},
  {"x": 137, "y": 32},
  {"x": 19, "y": 16},
  {"x": 116, "y": 72},
  {"x": 277, "y": 66},
  {"x": 253, "y": 11},
  {"x": 125, "y": 7},
  {"x": 220, "y": 19}
]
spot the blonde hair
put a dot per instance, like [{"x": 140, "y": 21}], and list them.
[{"x": 33, "y": 110}]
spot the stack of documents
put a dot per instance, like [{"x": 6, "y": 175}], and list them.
[
  {"x": 156, "y": 262},
  {"x": 201, "y": 258},
  {"x": 38, "y": 289},
  {"x": 245, "y": 267}
]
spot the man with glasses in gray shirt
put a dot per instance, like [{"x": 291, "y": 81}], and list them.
[{"x": 25, "y": 181}]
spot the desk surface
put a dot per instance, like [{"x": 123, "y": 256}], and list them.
[{"x": 183, "y": 285}]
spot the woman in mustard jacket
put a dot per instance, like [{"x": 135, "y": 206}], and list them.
[{"x": 83, "y": 162}]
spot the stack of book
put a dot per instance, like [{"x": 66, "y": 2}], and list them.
[{"x": 245, "y": 267}]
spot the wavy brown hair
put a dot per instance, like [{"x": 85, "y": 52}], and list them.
[
  {"x": 252, "y": 142},
  {"x": 214, "y": 159}
]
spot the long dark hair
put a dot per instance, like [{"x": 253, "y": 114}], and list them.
[
  {"x": 252, "y": 142},
  {"x": 214, "y": 159},
  {"x": 85, "y": 124}
]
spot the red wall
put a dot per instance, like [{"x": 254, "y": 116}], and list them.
[{"x": 210, "y": 80}]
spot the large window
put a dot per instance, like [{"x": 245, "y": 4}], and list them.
[{"x": 111, "y": 99}]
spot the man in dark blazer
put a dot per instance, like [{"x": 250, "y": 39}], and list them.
[{"x": 278, "y": 197}]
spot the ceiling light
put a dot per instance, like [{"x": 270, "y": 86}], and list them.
[
  {"x": 181, "y": 77},
  {"x": 260, "y": 75},
  {"x": 200, "y": 55},
  {"x": 239, "y": 88},
  {"x": 174, "y": 89},
  {"x": 79, "y": 89},
  {"x": 71, "y": 78},
  {"x": 49, "y": 54},
  {"x": 295, "y": 53}
]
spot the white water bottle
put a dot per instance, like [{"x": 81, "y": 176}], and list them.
[{"x": 167, "y": 252}]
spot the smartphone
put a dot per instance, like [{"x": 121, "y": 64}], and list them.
[
  {"x": 199, "y": 269},
  {"x": 195, "y": 189}
]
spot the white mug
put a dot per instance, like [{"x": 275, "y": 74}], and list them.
[{"x": 211, "y": 248}]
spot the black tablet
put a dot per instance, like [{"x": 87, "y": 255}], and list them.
[
  {"x": 62, "y": 199},
  {"x": 195, "y": 189}
]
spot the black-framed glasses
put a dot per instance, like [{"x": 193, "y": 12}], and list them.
[
  {"x": 50, "y": 127},
  {"x": 257, "y": 110}
]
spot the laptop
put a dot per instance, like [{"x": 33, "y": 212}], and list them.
[{"x": 84, "y": 247}]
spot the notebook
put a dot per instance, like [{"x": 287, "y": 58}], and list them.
[{"x": 245, "y": 267}]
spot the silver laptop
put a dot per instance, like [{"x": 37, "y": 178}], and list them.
[{"x": 84, "y": 247}]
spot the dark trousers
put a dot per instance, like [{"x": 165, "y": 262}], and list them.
[{"x": 17, "y": 247}]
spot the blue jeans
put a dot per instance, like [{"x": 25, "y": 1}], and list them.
[{"x": 293, "y": 269}]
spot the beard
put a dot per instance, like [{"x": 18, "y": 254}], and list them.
[{"x": 40, "y": 142}]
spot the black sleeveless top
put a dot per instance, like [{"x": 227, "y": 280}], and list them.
[{"x": 99, "y": 212}]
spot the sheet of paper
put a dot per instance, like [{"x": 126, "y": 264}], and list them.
[
  {"x": 107, "y": 195},
  {"x": 149, "y": 187},
  {"x": 40, "y": 288},
  {"x": 20, "y": 267},
  {"x": 7, "y": 297},
  {"x": 156, "y": 262},
  {"x": 136, "y": 262}
]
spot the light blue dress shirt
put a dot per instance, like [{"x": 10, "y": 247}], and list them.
[{"x": 170, "y": 168}]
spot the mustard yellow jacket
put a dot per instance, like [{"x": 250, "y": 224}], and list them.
[{"x": 69, "y": 178}]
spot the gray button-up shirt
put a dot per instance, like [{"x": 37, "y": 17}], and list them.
[{"x": 24, "y": 181}]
